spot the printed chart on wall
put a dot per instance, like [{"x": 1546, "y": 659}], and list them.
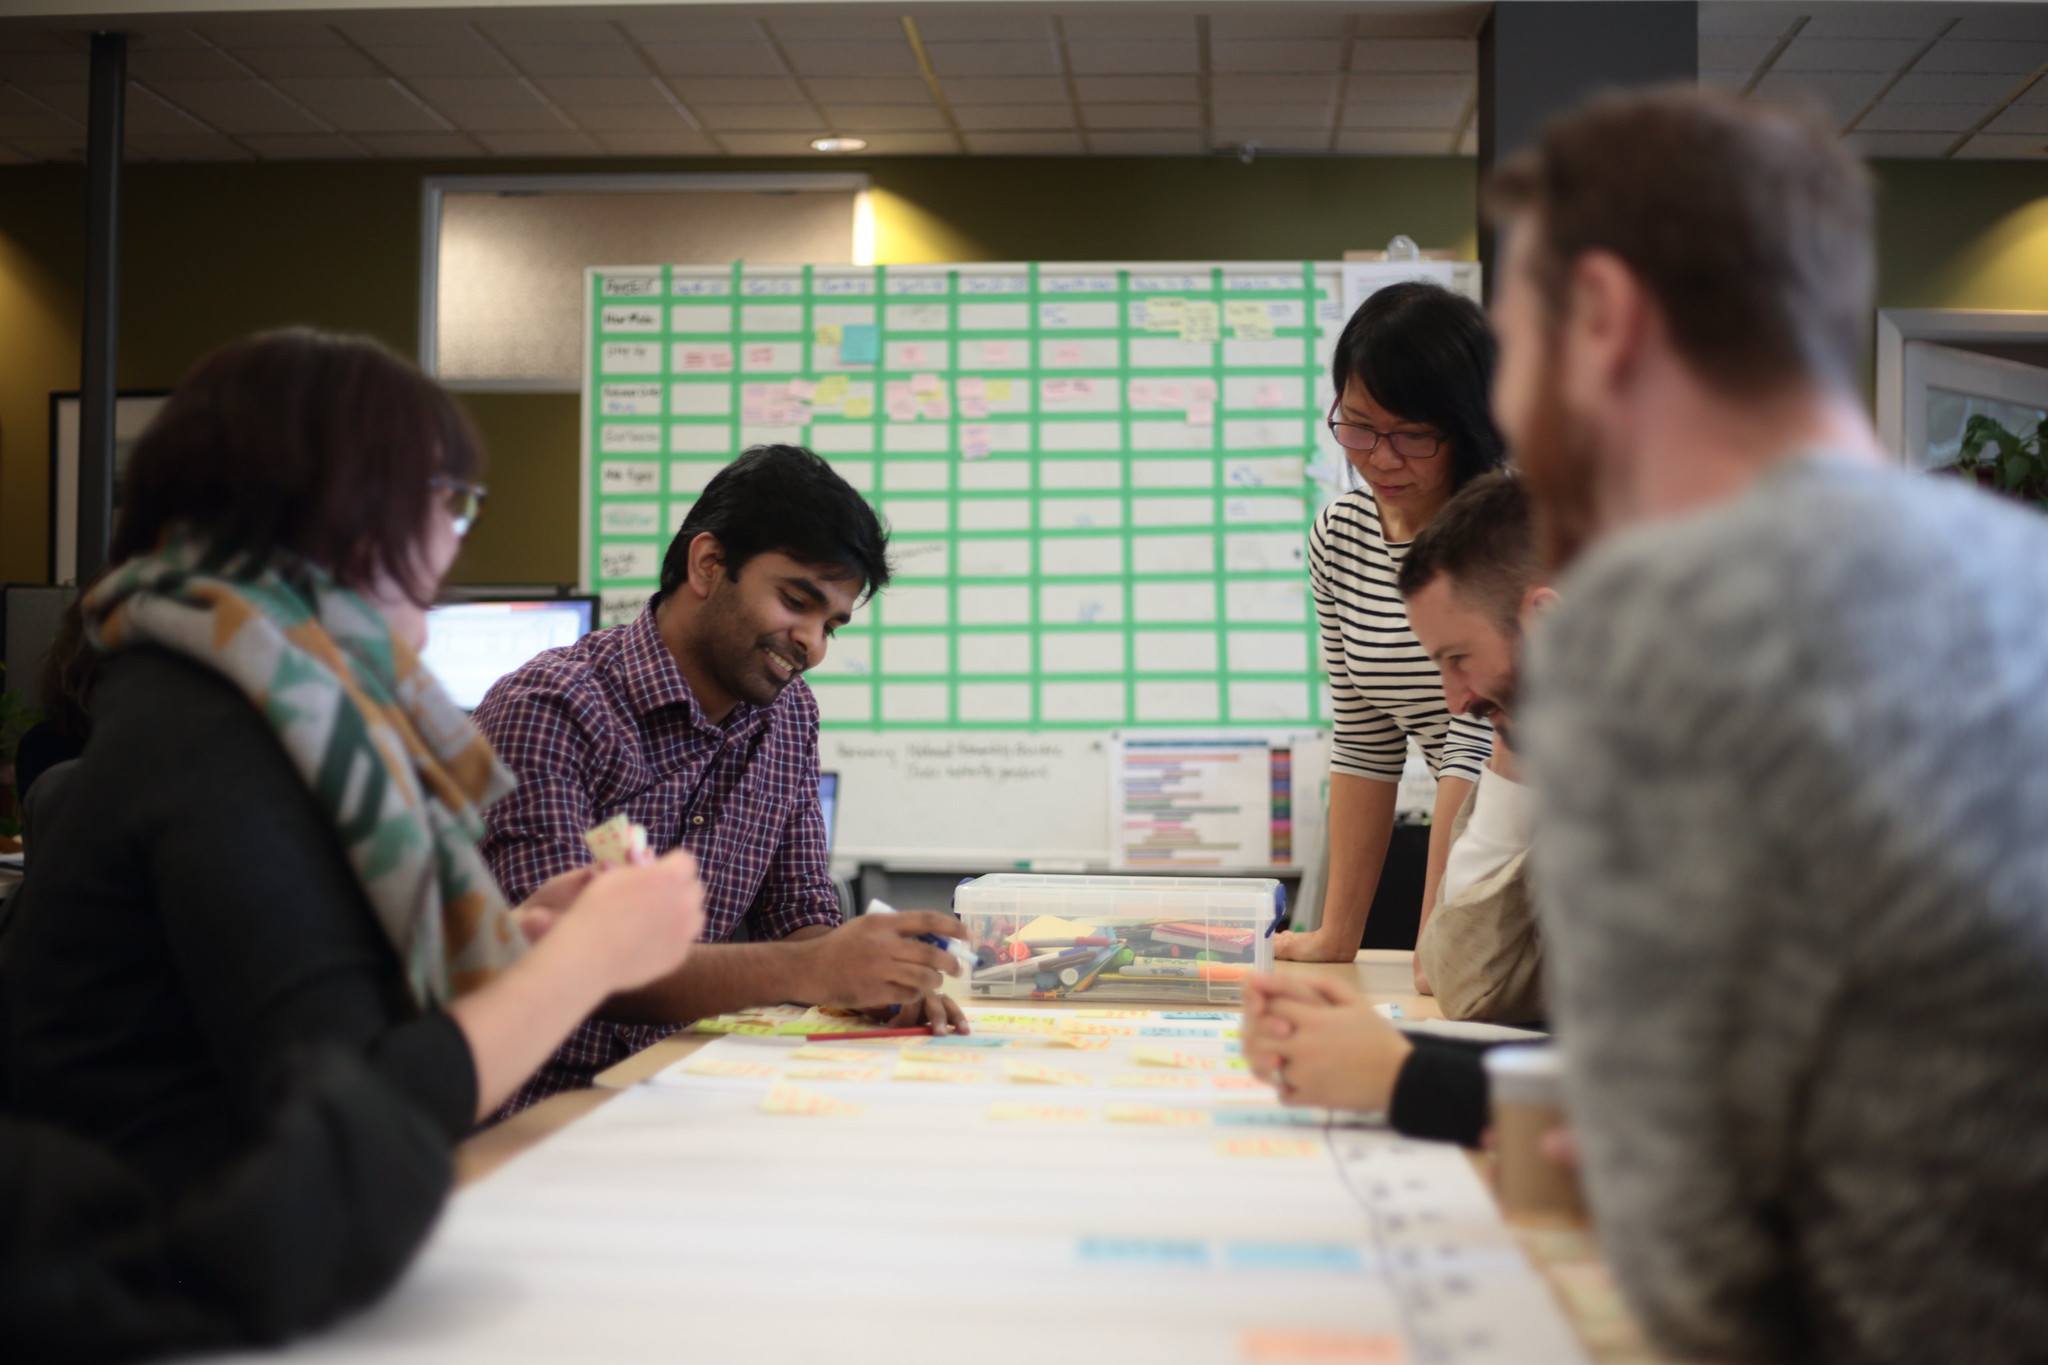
[{"x": 1099, "y": 477}]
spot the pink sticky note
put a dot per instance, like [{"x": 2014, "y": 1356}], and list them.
[
  {"x": 760, "y": 355},
  {"x": 913, "y": 353},
  {"x": 1201, "y": 414}
]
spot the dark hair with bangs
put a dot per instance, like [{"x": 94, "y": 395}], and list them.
[
  {"x": 787, "y": 499},
  {"x": 305, "y": 444},
  {"x": 1427, "y": 355}
]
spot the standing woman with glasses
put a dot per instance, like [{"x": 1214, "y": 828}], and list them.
[
  {"x": 268, "y": 851},
  {"x": 1412, "y": 372}
]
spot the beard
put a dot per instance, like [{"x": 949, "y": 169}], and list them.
[
  {"x": 1561, "y": 470},
  {"x": 733, "y": 651}
]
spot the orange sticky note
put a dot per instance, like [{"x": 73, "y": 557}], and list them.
[
  {"x": 725, "y": 1066},
  {"x": 1037, "y": 1073},
  {"x": 1268, "y": 1147},
  {"x": 1298, "y": 1346},
  {"x": 1156, "y": 1114},
  {"x": 1037, "y": 1113},
  {"x": 808, "y": 1104}
]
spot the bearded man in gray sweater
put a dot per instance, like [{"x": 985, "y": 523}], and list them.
[{"x": 1788, "y": 727}]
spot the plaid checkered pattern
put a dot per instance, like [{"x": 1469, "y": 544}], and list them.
[{"x": 609, "y": 725}]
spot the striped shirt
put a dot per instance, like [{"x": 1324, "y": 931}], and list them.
[
  {"x": 607, "y": 726},
  {"x": 1384, "y": 691}
]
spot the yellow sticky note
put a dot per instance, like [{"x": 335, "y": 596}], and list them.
[
  {"x": 940, "y": 1056},
  {"x": 826, "y": 1052},
  {"x": 1112, "y": 1014},
  {"x": 1075, "y": 1043},
  {"x": 1012, "y": 1112},
  {"x": 833, "y": 1073},
  {"x": 1268, "y": 1147},
  {"x": 1090, "y": 1028},
  {"x": 998, "y": 391},
  {"x": 830, "y": 334},
  {"x": 859, "y": 405},
  {"x": 1012, "y": 1023},
  {"x": 1237, "y": 1082},
  {"x": 1152, "y": 1054},
  {"x": 809, "y": 1104},
  {"x": 725, "y": 1066},
  {"x": 916, "y": 1071},
  {"x": 1165, "y": 315},
  {"x": 831, "y": 391},
  {"x": 1037, "y": 1073},
  {"x": 1156, "y": 1114},
  {"x": 1244, "y": 310}
]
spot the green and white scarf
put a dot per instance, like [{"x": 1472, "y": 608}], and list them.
[{"x": 396, "y": 765}]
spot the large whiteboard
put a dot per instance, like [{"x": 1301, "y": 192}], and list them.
[{"x": 1099, "y": 480}]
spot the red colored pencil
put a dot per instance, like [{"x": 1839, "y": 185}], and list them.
[{"x": 922, "y": 1031}]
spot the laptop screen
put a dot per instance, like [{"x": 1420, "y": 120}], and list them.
[
  {"x": 828, "y": 804},
  {"x": 471, "y": 645}
]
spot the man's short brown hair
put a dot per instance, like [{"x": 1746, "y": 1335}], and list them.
[
  {"x": 1749, "y": 223},
  {"x": 1484, "y": 542}
]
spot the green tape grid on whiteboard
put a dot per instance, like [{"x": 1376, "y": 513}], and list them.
[{"x": 1036, "y": 534}]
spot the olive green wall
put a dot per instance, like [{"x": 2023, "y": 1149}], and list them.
[{"x": 216, "y": 251}]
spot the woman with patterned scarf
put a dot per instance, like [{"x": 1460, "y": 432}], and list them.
[{"x": 268, "y": 851}]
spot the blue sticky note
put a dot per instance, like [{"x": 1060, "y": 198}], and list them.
[
  {"x": 1276, "y": 1117},
  {"x": 1144, "y": 1251},
  {"x": 1330, "y": 1256},
  {"x": 963, "y": 1040},
  {"x": 860, "y": 343},
  {"x": 1158, "y": 1031},
  {"x": 1193, "y": 1014}
]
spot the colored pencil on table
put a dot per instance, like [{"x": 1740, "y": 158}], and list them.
[{"x": 922, "y": 1031}]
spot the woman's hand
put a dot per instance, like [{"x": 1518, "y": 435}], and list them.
[
  {"x": 1314, "y": 946},
  {"x": 1322, "y": 1043},
  {"x": 537, "y": 913},
  {"x": 639, "y": 922}
]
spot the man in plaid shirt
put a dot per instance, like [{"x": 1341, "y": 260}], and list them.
[{"x": 693, "y": 721}]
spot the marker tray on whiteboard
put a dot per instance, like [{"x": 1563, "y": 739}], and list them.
[{"x": 1143, "y": 940}]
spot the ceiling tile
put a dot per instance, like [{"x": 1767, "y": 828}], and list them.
[
  {"x": 1277, "y": 21},
  {"x": 362, "y": 105},
  {"x": 1744, "y": 18},
  {"x": 1879, "y": 20},
  {"x": 185, "y": 64},
  {"x": 2005, "y": 147},
  {"x": 1267, "y": 139},
  {"x": 51, "y": 148},
  {"x": 1146, "y": 22},
  {"x": 1393, "y": 142},
  {"x": 514, "y": 29},
  {"x": 150, "y": 115},
  {"x": 2021, "y": 118},
  {"x": 1894, "y": 117},
  {"x": 10, "y": 157},
  {"x": 144, "y": 147},
  {"x": 241, "y": 107},
  {"x": 1731, "y": 52},
  {"x": 994, "y": 59},
  {"x": 301, "y": 146},
  {"x": 1141, "y": 115},
  {"x": 839, "y": 24},
  {"x": 1273, "y": 115},
  {"x": 68, "y": 99},
  {"x": 1105, "y": 88},
  {"x": 44, "y": 68},
  {"x": 1841, "y": 94},
  {"x": 1459, "y": 56},
  {"x": 725, "y": 60},
  {"x": 899, "y": 118},
  {"x": 159, "y": 34},
  {"x": 760, "y": 118},
  {"x": 1999, "y": 22},
  {"x": 443, "y": 59},
  {"x": 1899, "y": 144},
  {"x": 768, "y": 144},
  {"x": 1301, "y": 89},
  {"x": 476, "y": 92},
  {"x": 892, "y": 58},
  {"x": 576, "y": 59},
  {"x": 629, "y": 118},
  {"x": 408, "y": 145},
  {"x": 259, "y": 32},
  {"x": 681, "y": 142},
  {"x": 1024, "y": 144},
  {"x": 1132, "y": 58},
  {"x": 308, "y": 61},
  {"x": 401, "y": 28},
  {"x": 1276, "y": 55},
  {"x": 47, "y": 40},
  {"x": 1146, "y": 144},
  {"x": 1435, "y": 21},
  {"x": 1013, "y": 117},
  {"x": 1412, "y": 88},
  {"x": 1011, "y": 90},
  {"x": 1468, "y": 145},
  {"x": 1402, "y": 113},
  {"x": 1917, "y": 87},
  {"x": 737, "y": 89},
  {"x": 2011, "y": 57},
  {"x": 36, "y": 123},
  {"x": 540, "y": 144},
  {"x": 1846, "y": 54},
  {"x": 869, "y": 89},
  {"x": 969, "y": 27},
  {"x": 691, "y": 26},
  {"x": 2037, "y": 93},
  {"x": 1725, "y": 80},
  {"x": 536, "y": 118},
  {"x": 605, "y": 91},
  {"x": 912, "y": 144}
]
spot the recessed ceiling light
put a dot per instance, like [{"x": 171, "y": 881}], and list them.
[{"x": 839, "y": 144}]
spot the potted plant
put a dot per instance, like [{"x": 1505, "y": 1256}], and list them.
[{"x": 2005, "y": 461}]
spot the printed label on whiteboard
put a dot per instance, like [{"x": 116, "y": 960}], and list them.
[
  {"x": 629, "y": 438},
  {"x": 630, "y": 400},
  {"x": 630, "y": 357},
  {"x": 629, "y": 476},
  {"x": 621, "y": 317},
  {"x": 632, "y": 286},
  {"x": 616, "y": 606},
  {"x": 637, "y": 560},
  {"x": 631, "y": 519}
]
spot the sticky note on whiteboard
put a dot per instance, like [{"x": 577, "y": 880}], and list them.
[{"x": 859, "y": 343}]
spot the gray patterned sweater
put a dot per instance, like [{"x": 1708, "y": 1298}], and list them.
[{"x": 1793, "y": 763}]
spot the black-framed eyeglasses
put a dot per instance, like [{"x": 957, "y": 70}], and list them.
[
  {"x": 1408, "y": 445},
  {"x": 464, "y": 501}
]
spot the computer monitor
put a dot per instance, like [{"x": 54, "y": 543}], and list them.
[
  {"x": 471, "y": 645},
  {"x": 828, "y": 804}
]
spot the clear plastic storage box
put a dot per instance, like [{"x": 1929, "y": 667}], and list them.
[{"x": 1143, "y": 940}]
